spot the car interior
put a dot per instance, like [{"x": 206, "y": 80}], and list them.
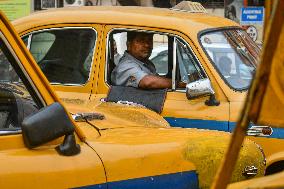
[
  {"x": 15, "y": 101},
  {"x": 64, "y": 55},
  {"x": 162, "y": 59}
]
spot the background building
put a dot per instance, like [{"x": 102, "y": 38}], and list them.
[{"x": 226, "y": 8}]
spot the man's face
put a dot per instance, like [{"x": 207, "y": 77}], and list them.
[{"x": 141, "y": 47}]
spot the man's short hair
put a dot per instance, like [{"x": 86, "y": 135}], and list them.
[{"x": 131, "y": 35}]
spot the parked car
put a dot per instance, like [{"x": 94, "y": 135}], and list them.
[
  {"x": 75, "y": 49},
  {"x": 97, "y": 145}
]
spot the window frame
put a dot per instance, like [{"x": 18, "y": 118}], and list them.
[
  {"x": 30, "y": 34},
  {"x": 27, "y": 81},
  {"x": 175, "y": 36},
  {"x": 207, "y": 31},
  {"x": 196, "y": 60}
]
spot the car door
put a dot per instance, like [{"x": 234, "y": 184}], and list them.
[
  {"x": 23, "y": 92},
  {"x": 200, "y": 111},
  {"x": 174, "y": 56}
]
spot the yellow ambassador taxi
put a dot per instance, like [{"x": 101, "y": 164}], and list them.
[
  {"x": 117, "y": 146},
  {"x": 77, "y": 49}
]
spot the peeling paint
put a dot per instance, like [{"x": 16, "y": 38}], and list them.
[
  {"x": 134, "y": 115},
  {"x": 207, "y": 153}
]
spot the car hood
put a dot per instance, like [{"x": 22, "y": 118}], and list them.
[
  {"x": 127, "y": 128},
  {"x": 203, "y": 148},
  {"x": 116, "y": 115}
]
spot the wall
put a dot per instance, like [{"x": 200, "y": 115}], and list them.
[{"x": 14, "y": 9}]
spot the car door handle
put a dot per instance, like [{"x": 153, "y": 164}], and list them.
[{"x": 260, "y": 131}]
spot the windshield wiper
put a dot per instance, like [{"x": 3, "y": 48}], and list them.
[{"x": 243, "y": 52}]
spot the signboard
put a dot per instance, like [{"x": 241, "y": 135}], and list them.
[
  {"x": 14, "y": 9},
  {"x": 252, "y": 15}
]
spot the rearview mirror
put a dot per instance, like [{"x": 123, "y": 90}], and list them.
[
  {"x": 199, "y": 88},
  {"x": 48, "y": 124}
]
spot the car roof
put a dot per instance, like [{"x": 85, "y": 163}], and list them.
[{"x": 125, "y": 15}]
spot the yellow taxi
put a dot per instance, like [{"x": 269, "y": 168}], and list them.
[
  {"x": 104, "y": 145},
  {"x": 77, "y": 49}
]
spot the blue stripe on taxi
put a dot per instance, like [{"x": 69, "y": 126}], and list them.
[
  {"x": 214, "y": 125},
  {"x": 181, "y": 180}
]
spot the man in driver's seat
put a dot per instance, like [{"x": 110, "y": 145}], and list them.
[{"x": 134, "y": 68}]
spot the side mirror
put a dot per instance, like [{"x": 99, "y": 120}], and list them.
[
  {"x": 199, "y": 88},
  {"x": 48, "y": 124}
]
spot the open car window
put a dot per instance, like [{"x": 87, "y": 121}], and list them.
[
  {"x": 187, "y": 70},
  {"x": 16, "y": 102},
  {"x": 233, "y": 54},
  {"x": 64, "y": 55}
]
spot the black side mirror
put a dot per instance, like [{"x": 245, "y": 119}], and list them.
[{"x": 48, "y": 124}]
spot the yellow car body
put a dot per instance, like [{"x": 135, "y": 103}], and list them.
[
  {"x": 102, "y": 150},
  {"x": 178, "y": 110},
  {"x": 264, "y": 104}
]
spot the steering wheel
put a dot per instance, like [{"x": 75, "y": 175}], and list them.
[
  {"x": 16, "y": 108},
  {"x": 9, "y": 119}
]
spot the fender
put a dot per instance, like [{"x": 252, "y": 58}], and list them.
[{"x": 275, "y": 163}]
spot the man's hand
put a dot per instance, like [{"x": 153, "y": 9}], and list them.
[{"x": 181, "y": 84}]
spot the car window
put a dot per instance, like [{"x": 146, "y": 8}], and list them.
[
  {"x": 15, "y": 101},
  {"x": 64, "y": 55},
  {"x": 40, "y": 44},
  {"x": 188, "y": 68},
  {"x": 159, "y": 60},
  {"x": 159, "y": 56},
  {"x": 26, "y": 40},
  {"x": 160, "y": 53},
  {"x": 234, "y": 55}
]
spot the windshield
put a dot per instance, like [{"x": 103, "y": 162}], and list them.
[{"x": 233, "y": 54}]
